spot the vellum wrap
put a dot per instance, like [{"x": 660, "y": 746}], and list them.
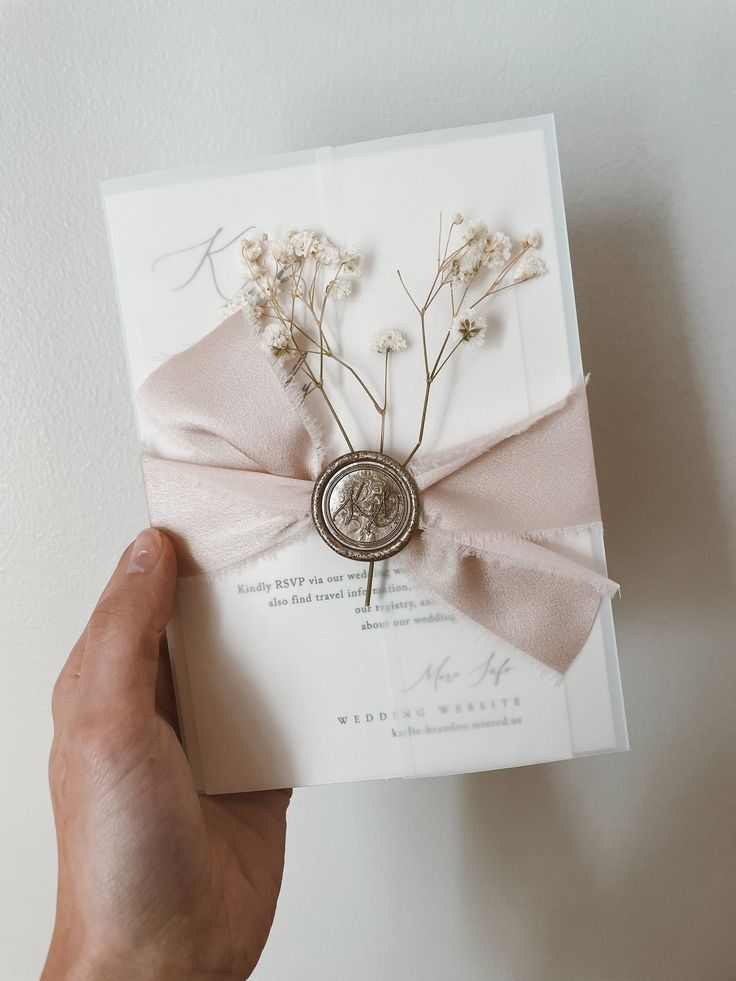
[{"x": 242, "y": 456}]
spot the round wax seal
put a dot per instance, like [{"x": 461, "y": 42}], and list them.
[{"x": 365, "y": 506}]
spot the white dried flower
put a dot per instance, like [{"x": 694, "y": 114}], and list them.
[
  {"x": 468, "y": 326},
  {"x": 457, "y": 218},
  {"x": 350, "y": 260},
  {"x": 464, "y": 267},
  {"x": 249, "y": 301},
  {"x": 282, "y": 251},
  {"x": 262, "y": 284},
  {"x": 496, "y": 249},
  {"x": 535, "y": 266},
  {"x": 339, "y": 288},
  {"x": 527, "y": 268},
  {"x": 276, "y": 339},
  {"x": 302, "y": 242},
  {"x": 325, "y": 252},
  {"x": 253, "y": 308},
  {"x": 388, "y": 340},
  {"x": 475, "y": 230},
  {"x": 470, "y": 263},
  {"x": 253, "y": 251},
  {"x": 531, "y": 240}
]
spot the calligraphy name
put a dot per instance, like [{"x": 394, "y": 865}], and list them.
[{"x": 444, "y": 675}]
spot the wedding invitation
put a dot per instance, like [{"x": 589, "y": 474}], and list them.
[{"x": 449, "y": 611}]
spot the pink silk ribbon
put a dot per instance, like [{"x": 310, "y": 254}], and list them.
[{"x": 242, "y": 455}]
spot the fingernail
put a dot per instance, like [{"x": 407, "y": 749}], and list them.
[{"x": 146, "y": 551}]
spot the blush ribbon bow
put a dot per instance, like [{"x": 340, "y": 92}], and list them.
[{"x": 242, "y": 455}]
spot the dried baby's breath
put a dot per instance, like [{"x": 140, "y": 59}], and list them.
[
  {"x": 468, "y": 327},
  {"x": 350, "y": 261},
  {"x": 474, "y": 230},
  {"x": 275, "y": 338},
  {"x": 388, "y": 341},
  {"x": 496, "y": 249},
  {"x": 340, "y": 287},
  {"x": 291, "y": 280},
  {"x": 532, "y": 240},
  {"x": 529, "y": 267},
  {"x": 463, "y": 269}
]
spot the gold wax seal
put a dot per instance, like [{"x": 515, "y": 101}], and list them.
[{"x": 365, "y": 506}]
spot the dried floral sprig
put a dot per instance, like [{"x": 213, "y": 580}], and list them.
[
  {"x": 386, "y": 342},
  {"x": 461, "y": 270},
  {"x": 288, "y": 285},
  {"x": 290, "y": 282}
]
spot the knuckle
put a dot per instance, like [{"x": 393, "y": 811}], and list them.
[
  {"x": 109, "y": 614},
  {"x": 95, "y": 743},
  {"x": 112, "y": 620},
  {"x": 100, "y": 745}
]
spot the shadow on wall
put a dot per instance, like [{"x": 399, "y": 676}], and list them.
[
  {"x": 623, "y": 868},
  {"x": 665, "y": 525}
]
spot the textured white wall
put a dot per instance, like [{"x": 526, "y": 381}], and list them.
[{"x": 610, "y": 869}]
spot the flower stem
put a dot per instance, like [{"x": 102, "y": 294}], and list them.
[
  {"x": 357, "y": 377},
  {"x": 327, "y": 352},
  {"x": 369, "y": 583},
  {"x": 401, "y": 280},
  {"x": 438, "y": 369},
  {"x": 372, "y": 564},
  {"x": 492, "y": 288},
  {"x": 422, "y": 424},
  {"x": 318, "y": 385},
  {"x": 499, "y": 289},
  {"x": 385, "y": 401}
]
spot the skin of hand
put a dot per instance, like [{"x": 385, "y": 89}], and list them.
[{"x": 155, "y": 881}]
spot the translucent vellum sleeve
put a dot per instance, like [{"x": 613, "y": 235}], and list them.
[{"x": 284, "y": 677}]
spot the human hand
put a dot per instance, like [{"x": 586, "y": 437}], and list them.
[{"x": 154, "y": 881}]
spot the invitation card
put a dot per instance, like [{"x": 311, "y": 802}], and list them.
[{"x": 363, "y": 421}]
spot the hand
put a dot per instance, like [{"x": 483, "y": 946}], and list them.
[{"x": 154, "y": 880}]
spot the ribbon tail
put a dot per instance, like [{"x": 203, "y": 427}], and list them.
[{"x": 533, "y": 598}]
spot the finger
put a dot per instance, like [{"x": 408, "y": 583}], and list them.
[{"x": 120, "y": 660}]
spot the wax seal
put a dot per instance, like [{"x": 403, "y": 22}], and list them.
[{"x": 365, "y": 506}]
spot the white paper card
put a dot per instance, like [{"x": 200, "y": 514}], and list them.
[{"x": 283, "y": 677}]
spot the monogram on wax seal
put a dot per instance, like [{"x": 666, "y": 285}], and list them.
[{"x": 365, "y": 506}]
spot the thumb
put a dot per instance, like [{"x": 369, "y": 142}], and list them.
[{"x": 119, "y": 662}]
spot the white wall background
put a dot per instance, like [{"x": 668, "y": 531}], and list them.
[{"x": 606, "y": 869}]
